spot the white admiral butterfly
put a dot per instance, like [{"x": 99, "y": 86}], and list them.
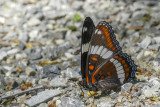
[{"x": 103, "y": 64}]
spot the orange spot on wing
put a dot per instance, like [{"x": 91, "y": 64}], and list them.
[
  {"x": 127, "y": 74},
  {"x": 125, "y": 65},
  {"x": 120, "y": 59},
  {"x": 102, "y": 77},
  {"x": 91, "y": 67},
  {"x": 109, "y": 73},
  {"x": 127, "y": 69},
  {"x": 123, "y": 61},
  {"x": 100, "y": 72},
  {"x": 116, "y": 57},
  {"x": 94, "y": 58},
  {"x": 113, "y": 48},
  {"x": 81, "y": 83}
]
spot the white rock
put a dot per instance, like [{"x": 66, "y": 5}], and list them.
[
  {"x": 2, "y": 20},
  {"x": 34, "y": 22},
  {"x": 71, "y": 74},
  {"x": 59, "y": 41},
  {"x": 155, "y": 82},
  {"x": 13, "y": 51},
  {"x": 106, "y": 104},
  {"x": 147, "y": 53},
  {"x": 30, "y": 71},
  {"x": 58, "y": 82},
  {"x": 148, "y": 92},
  {"x": 157, "y": 39},
  {"x": 145, "y": 42},
  {"x": 58, "y": 102},
  {"x": 156, "y": 66},
  {"x": 140, "y": 55},
  {"x": 69, "y": 55},
  {"x": 33, "y": 34},
  {"x": 2, "y": 55}
]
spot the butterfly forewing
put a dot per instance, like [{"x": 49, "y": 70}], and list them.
[
  {"x": 87, "y": 31},
  {"x": 103, "y": 46}
]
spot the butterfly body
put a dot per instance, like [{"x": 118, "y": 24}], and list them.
[{"x": 103, "y": 64}]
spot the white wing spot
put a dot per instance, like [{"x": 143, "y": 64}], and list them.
[
  {"x": 121, "y": 71},
  {"x": 95, "y": 49},
  {"x": 96, "y": 31},
  {"x": 115, "y": 62},
  {"x": 92, "y": 49},
  {"x": 119, "y": 68},
  {"x": 118, "y": 64},
  {"x": 84, "y": 29},
  {"x": 121, "y": 75},
  {"x": 99, "y": 32},
  {"x": 107, "y": 54},
  {"x": 112, "y": 59},
  {"x": 103, "y": 51},
  {"x": 99, "y": 50}
]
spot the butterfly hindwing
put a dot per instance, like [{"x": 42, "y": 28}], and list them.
[
  {"x": 87, "y": 31},
  {"x": 116, "y": 71}
]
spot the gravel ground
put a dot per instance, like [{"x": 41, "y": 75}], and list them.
[{"x": 40, "y": 51}]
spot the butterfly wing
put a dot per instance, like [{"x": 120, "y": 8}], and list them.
[
  {"x": 116, "y": 71},
  {"x": 103, "y": 47},
  {"x": 87, "y": 31}
]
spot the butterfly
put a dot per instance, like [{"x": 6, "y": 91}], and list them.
[{"x": 103, "y": 64}]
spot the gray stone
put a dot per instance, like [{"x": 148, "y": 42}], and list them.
[
  {"x": 71, "y": 74},
  {"x": 13, "y": 51},
  {"x": 157, "y": 39},
  {"x": 51, "y": 69},
  {"x": 43, "y": 105},
  {"x": 58, "y": 82},
  {"x": 71, "y": 102},
  {"x": 138, "y": 104},
  {"x": 126, "y": 88},
  {"x": 77, "y": 5},
  {"x": 21, "y": 45},
  {"x": 138, "y": 5},
  {"x": 34, "y": 22},
  {"x": 106, "y": 104},
  {"x": 139, "y": 14},
  {"x": 35, "y": 55},
  {"x": 30, "y": 71},
  {"x": 42, "y": 97},
  {"x": 114, "y": 95},
  {"x": 154, "y": 47},
  {"x": 156, "y": 83},
  {"x": 156, "y": 65},
  {"x": 33, "y": 35},
  {"x": 23, "y": 37},
  {"x": 136, "y": 93},
  {"x": 145, "y": 42},
  {"x": 54, "y": 14},
  {"x": 3, "y": 54},
  {"x": 140, "y": 54},
  {"x": 149, "y": 92}
]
